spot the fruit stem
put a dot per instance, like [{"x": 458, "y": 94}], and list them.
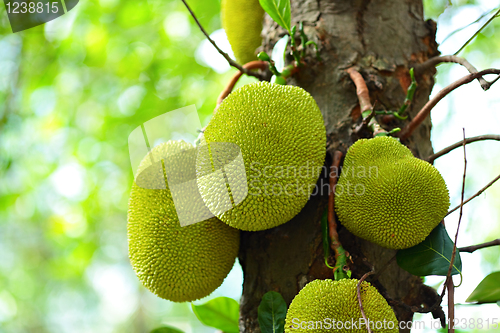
[
  {"x": 224, "y": 54},
  {"x": 257, "y": 64},
  {"x": 340, "y": 254}
]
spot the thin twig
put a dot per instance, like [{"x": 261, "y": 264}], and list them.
[
  {"x": 332, "y": 224},
  {"x": 257, "y": 64},
  {"x": 446, "y": 150},
  {"x": 451, "y": 306},
  {"x": 477, "y": 32},
  {"x": 473, "y": 248},
  {"x": 358, "y": 289},
  {"x": 224, "y": 54},
  {"x": 468, "y": 25},
  {"x": 454, "y": 253},
  {"x": 475, "y": 195},
  {"x": 433, "y": 62},
  {"x": 426, "y": 109}
]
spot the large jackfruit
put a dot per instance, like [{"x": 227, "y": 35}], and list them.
[
  {"x": 242, "y": 21},
  {"x": 176, "y": 263},
  {"x": 282, "y": 138},
  {"x": 387, "y": 196},
  {"x": 332, "y": 306}
]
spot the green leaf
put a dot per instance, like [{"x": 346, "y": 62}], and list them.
[
  {"x": 432, "y": 256},
  {"x": 222, "y": 313},
  {"x": 272, "y": 313},
  {"x": 487, "y": 291},
  {"x": 279, "y": 10},
  {"x": 166, "y": 329}
]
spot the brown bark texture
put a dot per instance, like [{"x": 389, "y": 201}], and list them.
[{"x": 383, "y": 38}]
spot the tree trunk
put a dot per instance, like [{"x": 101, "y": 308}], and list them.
[{"x": 382, "y": 38}]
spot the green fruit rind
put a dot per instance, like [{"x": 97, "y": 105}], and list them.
[
  {"x": 387, "y": 196},
  {"x": 282, "y": 138},
  {"x": 176, "y": 263},
  {"x": 242, "y": 21},
  {"x": 327, "y": 302}
]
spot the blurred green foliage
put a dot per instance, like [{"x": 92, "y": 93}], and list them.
[{"x": 71, "y": 91}]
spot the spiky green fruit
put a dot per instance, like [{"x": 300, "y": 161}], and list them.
[
  {"x": 387, "y": 196},
  {"x": 176, "y": 263},
  {"x": 332, "y": 306},
  {"x": 242, "y": 21},
  {"x": 281, "y": 135}
]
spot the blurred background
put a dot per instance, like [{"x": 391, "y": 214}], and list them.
[{"x": 72, "y": 90}]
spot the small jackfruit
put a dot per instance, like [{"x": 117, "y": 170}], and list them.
[
  {"x": 176, "y": 263},
  {"x": 388, "y": 196},
  {"x": 242, "y": 21},
  {"x": 332, "y": 306},
  {"x": 282, "y": 138}
]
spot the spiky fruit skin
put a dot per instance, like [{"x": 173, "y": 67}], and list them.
[
  {"x": 335, "y": 303},
  {"x": 176, "y": 263},
  {"x": 282, "y": 138},
  {"x": 242, "y": 21},
  {"x": 387, "y": 196}
]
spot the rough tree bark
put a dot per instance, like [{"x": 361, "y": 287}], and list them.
[{"x": 383, "y": 38}]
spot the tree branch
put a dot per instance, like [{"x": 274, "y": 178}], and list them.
[
  {"x": 446, "y": 150},
  {"x": 433, "y": 62},
  {"x": 475, "y": 195},
  {"x": 473, "y": 248},
  {"x": 426, "y": 109},
  {"x": 448, "y": 284},
  {"x": 224, "y": 54}
]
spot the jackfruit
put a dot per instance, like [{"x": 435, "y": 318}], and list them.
[
  {"x": 281, "y": 135},
  {"x": 176, "y": 263},
  {"x": 388, "y": 196},
  {"x": 242, "y": 21},
  {"x": 328, "y": 305}
]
